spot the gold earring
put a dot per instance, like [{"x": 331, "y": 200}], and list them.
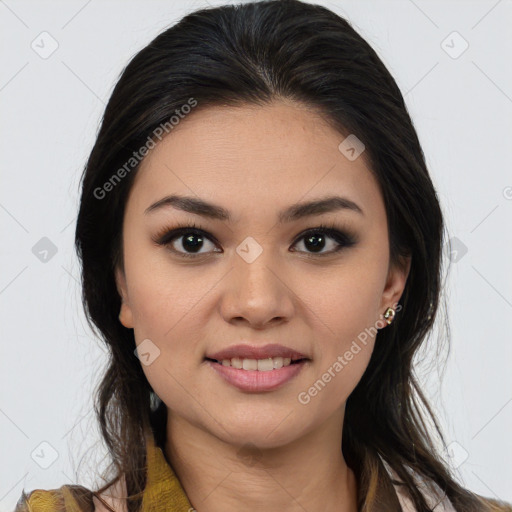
[{"x": 389, "y": 315}]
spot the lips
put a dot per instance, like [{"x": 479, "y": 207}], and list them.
[
  {"x": 245, "y": 351},
  {"x": 249, "y": 381}
]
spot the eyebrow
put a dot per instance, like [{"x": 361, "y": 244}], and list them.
[{"x": 291, "y": 213}]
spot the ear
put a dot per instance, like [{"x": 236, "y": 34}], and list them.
[
  {"x": 125, "y": 315},
  {"x": 395, "y": 284}
]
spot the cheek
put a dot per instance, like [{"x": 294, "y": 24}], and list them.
[
  {"x": 345, "y": 311},
  {"x": 161, "y": 297},
  {"x": 165, "y": 308},
  {"x": 345, "y": 302},
  {"x": 164, "y": 326},
  {"x": 166, "y": 313}
]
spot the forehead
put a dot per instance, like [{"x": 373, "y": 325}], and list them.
[{"x": 249, "y": 156}]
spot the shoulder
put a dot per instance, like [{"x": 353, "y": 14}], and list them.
[
  {"x": 74, "y": 498},
  {"x": 496, "y": 505},
  {"x": 436, "y": 500},
  {"x": 66, "y": 497},
  {"x": 439, "y": 502}
]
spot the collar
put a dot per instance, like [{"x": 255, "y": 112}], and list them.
[{"x": 163, "y": 491}]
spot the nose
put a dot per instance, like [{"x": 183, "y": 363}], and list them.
[{"x": 256, "y": 293}]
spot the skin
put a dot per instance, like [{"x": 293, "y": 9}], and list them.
[{"x": 265, "y": 451}]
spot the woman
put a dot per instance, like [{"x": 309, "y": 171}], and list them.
[{"x": 261, "y": 251}]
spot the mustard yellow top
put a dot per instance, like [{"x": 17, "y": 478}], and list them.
[{"x": 163, "y": 491}]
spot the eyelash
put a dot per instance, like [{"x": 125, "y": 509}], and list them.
[{"x": 167, "y": 235}]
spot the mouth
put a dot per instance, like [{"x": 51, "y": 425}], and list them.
[
  {"x": 255, "y": 368},
  {"x": 262, "y": 365},
  {"x": 257, "y": 375},
  {"x": 250, "y": 356}
]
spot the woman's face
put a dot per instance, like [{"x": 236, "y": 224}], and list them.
[{"x": 256, "y": 278}]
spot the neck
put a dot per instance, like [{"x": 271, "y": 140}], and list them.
[{"x": 308, "y": 473}]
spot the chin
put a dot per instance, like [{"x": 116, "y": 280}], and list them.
[{"x": 256, "y": 432}]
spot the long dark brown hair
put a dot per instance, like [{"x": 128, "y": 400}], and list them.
[{"x": 256, "y": 53}]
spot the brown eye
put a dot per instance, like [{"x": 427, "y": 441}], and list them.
[
  {"x": 187, "y": 242},
  {"x": 317, "y": 239}
]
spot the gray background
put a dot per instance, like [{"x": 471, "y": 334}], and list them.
[{"x": 51, "y": 103}]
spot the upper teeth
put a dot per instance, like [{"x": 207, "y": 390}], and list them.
[{"x": 264, "y": 365}]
